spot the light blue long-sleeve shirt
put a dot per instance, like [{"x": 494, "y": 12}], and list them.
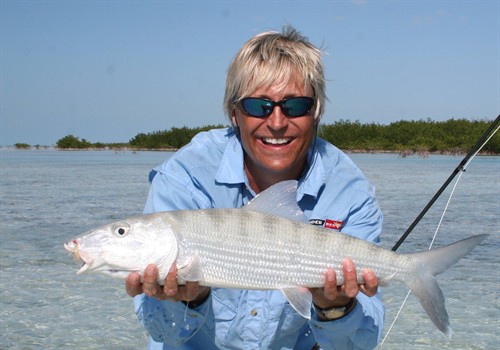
[{"x": 209, "y": 173}]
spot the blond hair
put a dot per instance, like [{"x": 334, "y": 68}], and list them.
[{"x": 270, "y": 58}]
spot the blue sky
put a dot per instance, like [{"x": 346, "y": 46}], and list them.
[{"x": 107, "y": 70}]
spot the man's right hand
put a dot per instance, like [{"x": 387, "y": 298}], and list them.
[{"x": 191, "y": 293}]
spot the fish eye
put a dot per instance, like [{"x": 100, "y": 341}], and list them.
[{"x": 121, "y": 230}]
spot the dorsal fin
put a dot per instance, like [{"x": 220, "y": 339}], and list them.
[{"x": 280, "y": 200}]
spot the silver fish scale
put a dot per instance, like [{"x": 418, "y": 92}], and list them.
[{"x": 251, "y": 250}]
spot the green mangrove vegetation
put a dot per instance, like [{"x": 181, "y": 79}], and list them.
[
  {"x": 73, "y": 142},
  {"x": 174, "y": 138},
  {"x": 405, "y": 136},
  {"x": 451, "y": 136}
]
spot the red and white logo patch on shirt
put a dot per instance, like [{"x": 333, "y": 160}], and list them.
[
  {"x": 333, "y": 224},
  {"x": 328, "y": 223}
]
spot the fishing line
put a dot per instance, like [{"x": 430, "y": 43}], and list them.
[
  {"x": 474, "y": 150},
  {"x": 461, "y": 168},
  {"x": 430, "y": 246}
]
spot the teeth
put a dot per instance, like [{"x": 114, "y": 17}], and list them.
[{"x": 276, "y": 141}]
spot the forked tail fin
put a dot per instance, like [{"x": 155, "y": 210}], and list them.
[{"x": 426, "y": 288}]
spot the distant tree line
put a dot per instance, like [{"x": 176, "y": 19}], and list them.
[
  {"x": 26, "y": 146},
  {"x": 73, "y": 142},
  {"x": 427, "y": 136},
  {"x": 174, "y": 138},
  {"x": 454, "y": 135},
  {"x": 451, "y": 136},
  {"x": 22, "y": 145}
]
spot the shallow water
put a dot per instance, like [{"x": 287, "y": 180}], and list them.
[
  {"x": 49, "y": 196},
  {"x": 404, "y": 187}
]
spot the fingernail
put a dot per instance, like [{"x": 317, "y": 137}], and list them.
[
  {"x": 348, "y": 265},
  {"x": 151, "y": 270},
  {"x": 330, "y": 275}
]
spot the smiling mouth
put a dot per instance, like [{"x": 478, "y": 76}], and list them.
[{"x": 276, "y": 141}]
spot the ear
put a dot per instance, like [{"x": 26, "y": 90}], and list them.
[
  {"x": 234, "y": 120},
  {"x": 315, "y": 123}
]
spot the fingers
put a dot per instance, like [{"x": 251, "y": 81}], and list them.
[
  {"x": 332, "y": 295},
  {"x": 171, "y": 288},
  {"x": 351, "y": 287},
  {"x": 190, "y": 292},
  {"x": 340, "y": 295},
  {"x": 150, "y": 285},
  {"x": 370, "y": 286},
  {"x": 330, "y": 288},
  {"x": 133, "y": 284},
  {"x": 169, "y": 291}
]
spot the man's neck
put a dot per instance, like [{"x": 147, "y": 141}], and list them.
[{"x": 260, "y": 180}]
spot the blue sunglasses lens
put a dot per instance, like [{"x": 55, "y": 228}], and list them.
[
  {"x": 291, "y": 107},
  {"x": 257, "y": 107},
  {"x": 297, "y": 106}
]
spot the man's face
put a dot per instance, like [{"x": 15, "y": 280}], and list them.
[{"x": 276, "y": 146}]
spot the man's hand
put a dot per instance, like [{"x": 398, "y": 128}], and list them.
[
  {"x": 191, "y": 293},
  {"x": 332, "y": 295}
]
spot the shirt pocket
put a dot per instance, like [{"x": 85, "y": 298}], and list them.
[
  {"x": 225, "y": 308},
  {"x": 289, "y": 327}
]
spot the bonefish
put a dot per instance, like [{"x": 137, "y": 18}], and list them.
[{"x": 267, "y": 244}]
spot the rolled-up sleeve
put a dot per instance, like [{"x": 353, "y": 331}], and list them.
[
  {"x": 169, "y": 322},
  {"x": 360, "y": 329}
]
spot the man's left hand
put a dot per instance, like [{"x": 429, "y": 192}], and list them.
[{"x": 332, "y": 295}]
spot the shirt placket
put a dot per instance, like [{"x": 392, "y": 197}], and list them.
[{"x": 256, "y": 327}]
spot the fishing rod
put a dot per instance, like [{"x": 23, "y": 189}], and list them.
[{"x": 459, "y": 168}]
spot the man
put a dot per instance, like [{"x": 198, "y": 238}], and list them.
[{"x": 275, "y": 95}]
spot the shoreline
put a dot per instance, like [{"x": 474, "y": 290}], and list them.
[{"x": 403, "y": 153}]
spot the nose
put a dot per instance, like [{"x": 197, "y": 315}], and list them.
[{"x": 277, "y": 120}]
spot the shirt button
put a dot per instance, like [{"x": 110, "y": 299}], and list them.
[{"x": 253, "y": 312}]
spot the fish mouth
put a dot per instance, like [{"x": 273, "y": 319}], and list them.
[
  {"x": 91, "y": 263},
  {"x": 83, "y": 261}
]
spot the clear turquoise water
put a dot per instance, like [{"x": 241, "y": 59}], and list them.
[{"x": 49, "y": 196}]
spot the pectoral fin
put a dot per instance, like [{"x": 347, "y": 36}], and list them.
[
  {"x": 189, "y": 270},
  {"x": 301, "y": 300}
]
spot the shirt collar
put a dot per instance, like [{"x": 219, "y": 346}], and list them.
[
  {"x": 314, "y": 179},
  {"x": 232, "y": 169}
]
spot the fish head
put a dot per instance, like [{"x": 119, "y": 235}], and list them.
[{"x": 126, "y": 246}]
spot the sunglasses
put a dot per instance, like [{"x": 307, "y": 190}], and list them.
[{"x": 262, "y": 107}]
